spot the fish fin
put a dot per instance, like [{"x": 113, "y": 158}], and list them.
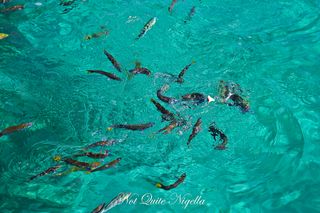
[
  {"x": 193, "y": 62},
  {"x": 158, "y": 185},
  {"x": 109, "y": 128},
  {"x": 138, "y": 64}
]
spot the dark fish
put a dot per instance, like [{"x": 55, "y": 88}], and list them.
[
  {"x": 99, "y": 209},
  {"x": 174, "y": 185},
  {"x": 165, "y": 98},
  {"x": 107, "y": 166},
  {"x": 196, "y": 129},
  {"x": 198, "y": 98},
  {"x": 240, "y": 102},
  {"x": 108, "y": 74},
  {"x": 140, "y": 70},
  {"x": 215, "y": 132},
  {"x": 191, "y": 13},
  {"x": 13, "y": 8},
  {"x": 93, "y": 155},
  {"x": 77, "y": 163},
  {"x": 102, "y": 143},
  {"x": 147, "y": 27},
  {"x": 133, "y": 126},
  {"x": 48, "y": 171},
  {"x": 170, "y": 8},
  {"x": 170, "y": 127},
  {"x": 66, "y": 2},
  {"x": 166, "y": 115},
  {"x": 183, "y": 71},
  {"x": 15, "y": 128},
  {"x": 113, "y": 61}
]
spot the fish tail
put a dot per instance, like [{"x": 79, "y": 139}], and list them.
[
  {"x": 89, "y": 71},
  {"x": 193, "y": 62},
  {"x": 158, "y": 185},
  {"x": 110, "y": 128}
]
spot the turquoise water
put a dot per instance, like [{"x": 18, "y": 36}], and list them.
[{"x": 270, "y": 48}]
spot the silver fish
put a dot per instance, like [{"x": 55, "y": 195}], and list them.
[
  {"x": 147, "y": 27},
  {"x": 117, "y": 201}
]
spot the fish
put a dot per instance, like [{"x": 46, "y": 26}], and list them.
[
  {"x": 66, "y": 2},
  {"x": 215, "y": 132},
  {"x": 12, "y": 129},
  {"x": 196, "y": 129},
  {"x": 174, "y": 185},
  {"x": 147, "y": 27},
  {"x": 93, "y": 155},
  {"x": 13, "y": 8},
  {"x": 113, "y": 61},
  {"x": 163, "y": 98},
  {"x": 106, "y": 166},
  {"x": 96, "y": 35},
  {"x": 183, "y": 71},
  {"x": 198, "y": 98},
  {"x": 108, "y": 74},
  {"x": 166, "y": 115},
  {"x": 140, "y": 70},
  {"x": 3, "y": 36},
  {"x": 102, "y": 143},
  {"x": 191, "y": 13},
  {"x": 48, "y": 171},
  {"x": 76, "y": 163},
  {"x": 240, "y": 102},
  {"x": 170, "y": 127},
  {"x": 133, "y": 126},
  {"x": 170, "y": 8},
  {"x": 117, "y": 201},
  {"x": 99, "y": 208}
]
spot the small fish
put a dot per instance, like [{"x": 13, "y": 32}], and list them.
[
  {"x": 12, "y": 129},
  {"x": 96, "y": 35},
  {"x": 77, "y": 163},
  {"x": 99, "y": 209},
  {"x": 198, "y": 98},
  {"x": 48, "y": 171},
  {"x": 13, "y": 8},
  {"x": 66, "y": 2},
  {"x": 102, "y": 143},
  {"x": 163, "y": 98},
  {"x": 174, "y": 185},
  {"x": 3, "y": 36},
  {"x": 133, "y": 126},
  {"x": 108, "y": 74},
  {"x": 113, "y": 61},
  {"x": 215, "y": 132},
  {"x": 147, "y": 27},
  {"x": 140, "y": 70},
  {"x": 170, "y": 8},
  {"x": 93, "y": 155},
  {"x": 106, "y": 166},
  {"x": 240, "y": 102},
  {"x": 117, "y": 201},
  {"x": 191, "y": 13},
  {"x": 170, "y": 127},
  {"x": 166, "y": 115},
  {"x": 196, "y": 129},
  {"x": 183, "y": 71}
]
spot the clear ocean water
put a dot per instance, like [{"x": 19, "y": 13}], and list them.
[{"x": 270, "y": 48}]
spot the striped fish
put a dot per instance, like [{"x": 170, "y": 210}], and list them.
[{"x": 147, "y": 27}]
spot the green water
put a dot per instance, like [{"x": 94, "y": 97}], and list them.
[{"x": 270, "y": 48}]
